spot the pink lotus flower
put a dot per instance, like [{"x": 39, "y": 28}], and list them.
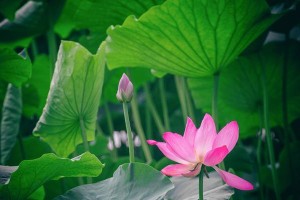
[
  {"x": 125, "y": 89},
  {"x": 202, "y": 146}
]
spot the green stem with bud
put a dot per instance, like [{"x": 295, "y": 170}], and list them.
[{"x": 129, "y": 133}]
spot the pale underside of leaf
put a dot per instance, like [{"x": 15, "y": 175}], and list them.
[
  {"x": 188, "y": 188},
  {"x": 73, "y": 98},
  {"x": 11, "y": 116},
  {"x": 133, "y": 181}
]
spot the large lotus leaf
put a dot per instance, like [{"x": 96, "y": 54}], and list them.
[
  {"x": 188, "y": 188},
  {"x": 240, "y": 89},
  {"x": 14, "y": 68},
  {"x": 11, "y": 116},
  {"x": 73, "y": 99},
  {"x": 32, "y": 19},
  {"x": 36, "y": 89},
  {"x": 31, "y": 174},
  {"x": 133, "y": 181},
  {"x": 188, "y": 37},
  {"x": 99, "y": 15}
]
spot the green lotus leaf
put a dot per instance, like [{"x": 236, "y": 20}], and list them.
[
  {"x": 240, "y": 89},
  {"x": 32, "y": 174},
  {"x": 32, "y": 19},
  {"x": 73, "y": 99},
  {"x": 14, "y": 68},
  {"x": 188, "y": 37},
  {"x": 36, "y": 89}
]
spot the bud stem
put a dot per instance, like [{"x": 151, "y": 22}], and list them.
[{"x": 129, "y": 133}]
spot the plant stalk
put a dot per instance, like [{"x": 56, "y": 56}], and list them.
[
  {"x": 139, "y": 129},
  {"x": 153, "y": 111},
  {"x": 34, "y": 48},
  {"x": 111, "y": 130},
  {"x": 148, "y": 121},
  {"x": 259, "y": 162},
  {"x": 189, "y": 101},
  {"x": 129, "y": 133},
  {"x": 181, "y": 94},
  {"x": 162, "y": 92},
  {"x": 267, "y": 129},
  {"x": 201, "y": 184}
]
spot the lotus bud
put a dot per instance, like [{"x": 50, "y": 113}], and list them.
[{"x": 125, "y": 89}]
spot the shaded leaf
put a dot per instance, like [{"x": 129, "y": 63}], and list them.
[
  {"x": 289, "y": 160},
  {"x": 36, "y": 89},
  {"x": 188, "y": 37},
  {"x": 31, "y": 174},
  {"x": 97, "y": 147},
  {"x": 11, "y": 116},
  {"x": 73, "y": 99},
  {"x": 130, "y": 181},
  {"x": 5, "y": 173},
  {"x": 8, "y": 8},
  {"x": 240, "y": 88},
  {"x": 188, "y": 188},
  {"x": 32, "y": 19},
  {"x": 13, "y": 68}
]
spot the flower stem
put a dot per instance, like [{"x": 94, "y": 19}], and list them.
[
  {"x": 129, "y": 133},
  {"x": 111, "y": 130},
  {"x": 153, "y": 111},
  {"x": 188, "y": 100},
  {"x": 181, "y": 95},
  {"x": 139, "y": 129},
  {"x": 201, "y": 184},
  {"x": 148, "y": 121},
  {"x": 268, "y": 133},
  {"x": 164, "y": 103}
]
